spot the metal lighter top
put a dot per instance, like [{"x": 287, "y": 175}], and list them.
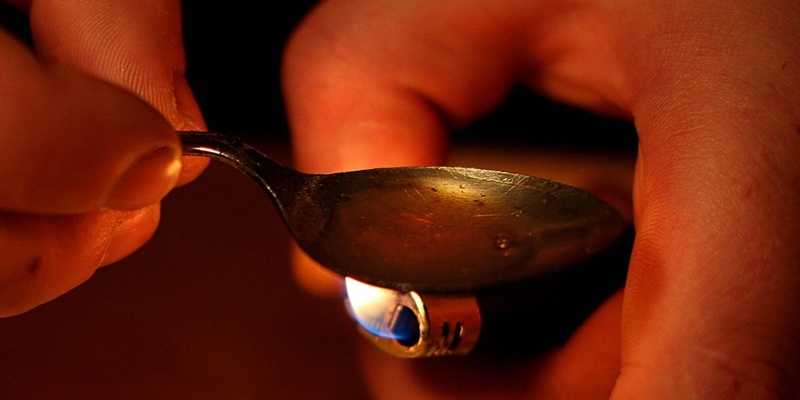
[
  {"x": 407, "y": 324},
  {"x": 525, "y": 317}
]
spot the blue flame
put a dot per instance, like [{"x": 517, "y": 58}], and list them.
[{"x": 380, "y": 312}]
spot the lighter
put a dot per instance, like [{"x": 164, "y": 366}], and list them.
[{"x": 525, "y": 317}]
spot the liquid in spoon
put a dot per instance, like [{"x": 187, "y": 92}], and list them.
[{"x": 426, "y": 228}]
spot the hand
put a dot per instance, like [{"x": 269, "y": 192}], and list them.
[
  {"x": 87, "y": 125},
  {"x": 711, "y": 308}
]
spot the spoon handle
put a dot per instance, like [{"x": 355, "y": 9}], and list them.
[{"x": 277, "y": 180}]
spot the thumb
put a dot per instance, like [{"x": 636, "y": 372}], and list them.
[{"x": 79, "y": 144}]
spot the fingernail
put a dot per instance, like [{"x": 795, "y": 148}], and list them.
[{"x": 147, "y": 181}]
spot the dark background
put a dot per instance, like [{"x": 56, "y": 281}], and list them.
[{"x": 233, "y": 61}]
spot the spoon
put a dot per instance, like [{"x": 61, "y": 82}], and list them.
[{"x": 429, "y": 229}]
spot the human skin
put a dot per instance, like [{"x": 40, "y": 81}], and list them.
[
  {"x": 711, "y": 308},
  {"x": 88, "y": 127}
]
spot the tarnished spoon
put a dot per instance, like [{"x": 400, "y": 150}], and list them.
[{"x": 429, "y": 229}]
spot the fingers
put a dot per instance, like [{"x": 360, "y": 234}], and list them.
[
  {"x": 712, "y": 296},
  {"x": 399, "y": 75},
  {"x": 76, "y": 136},
  {"x": 74, "y": 139},
  {"x": 89, "y": 124},
  {"x": 134, "y": 45},
  {"x": 347, "y": 85},
  {"x": 47, "y": 256}
]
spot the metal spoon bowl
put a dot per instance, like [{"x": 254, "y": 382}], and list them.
[{"x": 430, "y": 229}]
